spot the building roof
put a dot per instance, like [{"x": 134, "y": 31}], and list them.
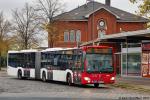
[
  {"x": 140, "y": 35},
  {"x": 83, "y": 12}
]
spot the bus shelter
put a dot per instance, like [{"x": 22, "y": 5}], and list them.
[{"x": 132, "y": 52}]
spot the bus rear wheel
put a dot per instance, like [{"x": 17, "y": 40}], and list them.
[
  {"x": 96, "y": 85},
  {"x": 69, "y": 80},
  {"x": 19, "y": 74},
  {"x": 44, "y": 77}
]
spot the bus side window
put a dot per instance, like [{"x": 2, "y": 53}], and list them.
[
  {"x": 75, "y": 62},
  {"x": 12, "y": 60},
  {"x": 79, "y": 60},
  {"x": 62, "y": 63},
  {"x": 20, "y": 60},
  {"x": 43, "y": 59},
  {"x": 70, "y": 61},
  {"x": 69, "y": 57},
  {"x": 56, "y": 60}
]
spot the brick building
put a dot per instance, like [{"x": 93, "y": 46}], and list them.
[{"x": 93, "y": 20}]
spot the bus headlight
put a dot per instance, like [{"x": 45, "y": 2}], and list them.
[
  {"x": 87, "y": 78},
  {"x": 112, "y": 78}
]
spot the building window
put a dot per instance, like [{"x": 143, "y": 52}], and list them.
[
  {"x": 101, "y": 34},
  {"x": 66, "y": 36},
  {"x": 78, "y": 35},
  {"x": 72, "y": 35}
]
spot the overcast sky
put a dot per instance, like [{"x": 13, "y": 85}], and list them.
[
  {"x": 7, "y": 5},
  {"x": 121, "y": 4}
]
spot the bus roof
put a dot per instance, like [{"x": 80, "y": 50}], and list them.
[
  {"x": 53, "y": 49},
  {"x": 23, "y": 51},
  {"x": 29, "y": 50},
  {"x": 13, "y": 51},
  {"x": 58, "y": 49}
]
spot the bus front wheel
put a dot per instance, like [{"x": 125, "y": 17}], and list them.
[
  {"x": 19, "y": 74},
  {"x": 96, "y": 85}
]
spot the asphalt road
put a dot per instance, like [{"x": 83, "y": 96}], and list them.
[{"x": 14, "y": 89}]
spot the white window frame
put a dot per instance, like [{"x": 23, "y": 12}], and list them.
[
  {"x": 78, "y": 36},
  {"x": 72, "y": 35},
  {"x": 101, "y": 33},
  {"x": 66, "y": 36}
]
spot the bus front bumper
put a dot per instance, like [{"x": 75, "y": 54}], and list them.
[{"x": 109, "y": 80}]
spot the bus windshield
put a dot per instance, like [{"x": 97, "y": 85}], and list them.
[{"x": 99, "y": 62}]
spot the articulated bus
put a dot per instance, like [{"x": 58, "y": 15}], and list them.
[{"x": 85, "y": 65}]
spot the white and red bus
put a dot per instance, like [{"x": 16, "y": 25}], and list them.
[{"x": 85, "y": 65}]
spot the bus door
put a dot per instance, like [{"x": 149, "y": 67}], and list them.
[
  {"x": 27, "y": 65},
  {"x": 77, "y": 69},
  {"x": 37, "y": 65}
]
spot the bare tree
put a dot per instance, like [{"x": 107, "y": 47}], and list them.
[
  {"x": 4, "y": 37},
  {"x": 47, "y": 10},
  {"x": 26, "y": 26}
]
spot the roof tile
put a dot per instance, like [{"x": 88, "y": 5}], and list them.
[{"x": 80, "y": 13}]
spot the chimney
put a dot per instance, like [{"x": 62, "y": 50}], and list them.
[{"x": 107, "y": 2}]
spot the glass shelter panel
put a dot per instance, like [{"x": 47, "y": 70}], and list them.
[
  {"x": 124, "y": 64},
  {"x": 134, "y": 64},
  {"x": 131, "y": 64}
]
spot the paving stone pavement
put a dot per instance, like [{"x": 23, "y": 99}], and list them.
[
  {"x": 135, "y": 81},
  {"x": 12, "y": 87}
]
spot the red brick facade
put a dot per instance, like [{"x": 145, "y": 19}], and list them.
[{"x": 86, "y": 27}]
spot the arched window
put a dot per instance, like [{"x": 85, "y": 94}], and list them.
[
  {"x": 72, "y": 35},
  {"x": 66, "y": 36},
  {"x": 78, "y": 35},
  {"x": 101, "y": 34}
]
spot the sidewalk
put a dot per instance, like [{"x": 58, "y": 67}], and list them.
[{"x": 133, "y": 83}]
